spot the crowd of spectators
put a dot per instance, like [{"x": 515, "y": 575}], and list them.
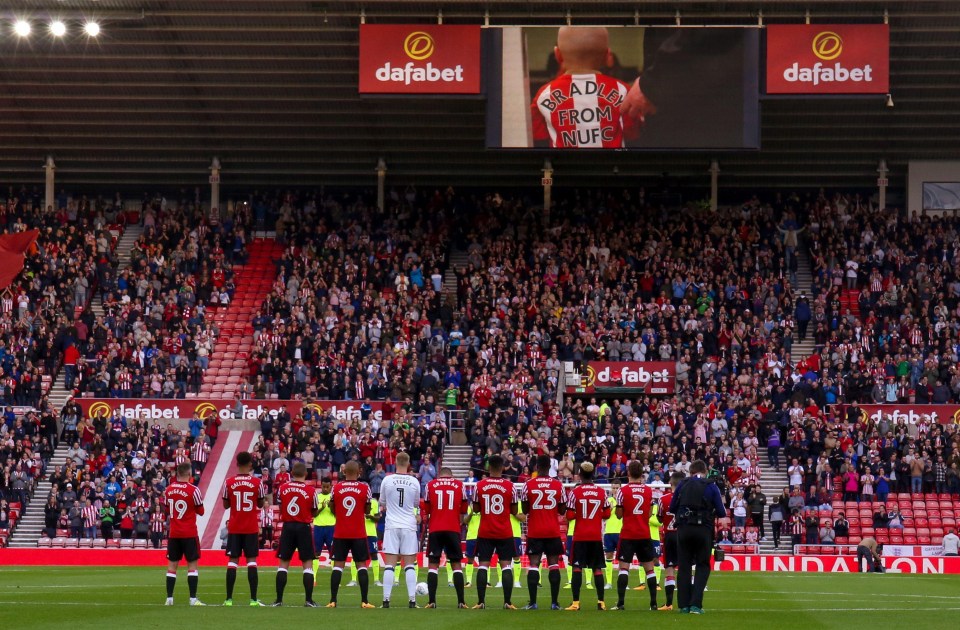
[
  {"x": 605, "y": 276},
  {"x": 359, "y": 311},
  {"x": 155, "y": 338}
]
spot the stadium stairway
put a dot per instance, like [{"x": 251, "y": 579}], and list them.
[
  {"x": 30, "y": 525},
  {"x": 772, "y": 483},
  {"x": 122, "y": 250},
  {"x": 228, "y": 361},
  {"x": 220, "y": 465},
  {"x": 458, "y": 259},
  {"x": 803, "y": 349},
  {"x": 458, "y": 459}
]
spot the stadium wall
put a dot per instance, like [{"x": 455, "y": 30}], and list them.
[{"x": 771, "y": 563}]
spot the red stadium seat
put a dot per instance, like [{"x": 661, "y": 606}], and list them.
[
  {"x": 45, "y": 543},
  {"x": 910, "y": 540},
  {"x": 59, "y": 541}
]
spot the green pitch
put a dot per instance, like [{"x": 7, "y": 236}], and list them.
[{"x": 75, "y": 598}]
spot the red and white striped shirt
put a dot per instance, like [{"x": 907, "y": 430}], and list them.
[
  {"x": 266, "y": 517},
  {"x": 90, "y": 515},
  {"x": 581, "y": 111},
  {"x": 199, "y": 451}
]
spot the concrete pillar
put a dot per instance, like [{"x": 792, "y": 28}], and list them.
[
  {"x": 714, "y": 184},
  {"x": 381, "y": 184},
  {"x": 882, "y": 183},
  {"x": 547, "y": 182},
  {"x": 215, "y": 186},
  {"x": 50, "y": 193}
]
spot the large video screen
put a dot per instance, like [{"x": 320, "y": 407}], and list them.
[
  {"x": 941, "y": 195},
  {"x": 581, "y": 87}
]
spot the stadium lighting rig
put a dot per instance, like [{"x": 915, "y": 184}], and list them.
[{"x": 56, "y": 27}]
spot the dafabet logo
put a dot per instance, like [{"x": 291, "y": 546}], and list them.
[
  {"x": 424, "y": 59},
  {"x": 827, "y": 45},
  {"x": 418, "y": 45},
  {"x": 828, "y": 59}
]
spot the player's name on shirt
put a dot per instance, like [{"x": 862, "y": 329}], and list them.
[
  {"x": 244, "y": 482},
  {"x": 290, "y": 488}
]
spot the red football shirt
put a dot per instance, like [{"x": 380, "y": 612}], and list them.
[
  {"x": 637, "y": 502},
  {"x": 444, "y": 503},
  {"x": 351, "y": 502},
  {"x": 183, "y": 502},
  {"x": 493, "y": 499},
  {"x": 545, "y": 496},
  {"x": 582, "y": 111},
  {"x": 297, "y": 501},
  {"x": 588, "y": 505},
  {"x": 663, "y": 513},
  {"x": 243, "y": 493}
]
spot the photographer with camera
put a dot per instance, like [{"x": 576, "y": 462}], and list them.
[{"x": 696, "y": 505}]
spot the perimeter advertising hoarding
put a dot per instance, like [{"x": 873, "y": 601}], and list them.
[
  {"x": 828, "y": 59},
  {"x": 622, "y": 87},
  {"x": 419, "y": 59},
  {"x": 646, "y": 377},
  {"x": 912, "y": 414},
  {"x": 163, "y": 410}
]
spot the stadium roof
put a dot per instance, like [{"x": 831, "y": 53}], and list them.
[{"x": 269, "y": 87}]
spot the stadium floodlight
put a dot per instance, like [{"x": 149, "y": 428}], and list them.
[
  {"x": 22, "y": 28},
  {"x": 58, "y": 28},
  {"x": 91, "y": 28}
]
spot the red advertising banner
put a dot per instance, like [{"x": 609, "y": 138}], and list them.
[
  {"x": 828, "y": 59},
  {"x": 835, "y": 564},
  {"x": 648, "y": 377},
  {"x": 419, "y": 59},
  {"x": 912, "y": 414},
  {"x": 180, "y": 409}
]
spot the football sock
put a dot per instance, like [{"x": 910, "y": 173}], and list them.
[
  {"x": 375, "y": 564},
  {"x": 458, "y": 585},
  {"x": 410, "y": 573},
  {"x": 281, "y": 583},
  {"x": 353, "y": 571},
  {"x": 609, "y": 571},
  {"x": 388, "y": 575},
  {"x": 623, "y": 581},
  {"x": 363, "y": 578},
  {"x": 652, "y": 587},
  {"x": 231, "y": 580},
  {"x": 193, "y": 578},
  {"x": 670, "y": 587},
  {"x": 316, "y": 568},
  {"x": 335, "y": 578},
  {"x": 432, "y": 579},
  {"x": 482, "y": 585},
  {"x": 308, "y": 584},
  {"x": 533, "y": 583},
  {"x": 576, "y": 583},
  {"x": 598, "y": 584},
  {"x": 469, "y": 570},
  {"x": 569, "y": 572},
  {"x": 554, "y": 584},
  {"x": 658, "y": 570},
  {"x": 449, "y": 572},
  {"x": 254, "y": 580},
  {"x": 171, "y": 583},
  {"x": 507, "y": 575}
]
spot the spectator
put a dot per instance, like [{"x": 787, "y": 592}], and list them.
[
  {"x": 950, "y": 543},
  {"x": 841, "y": 526},
  {"x": 827, "y": 533}
]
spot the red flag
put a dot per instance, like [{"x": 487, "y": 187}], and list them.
[{"x": 12, "y": 249}]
